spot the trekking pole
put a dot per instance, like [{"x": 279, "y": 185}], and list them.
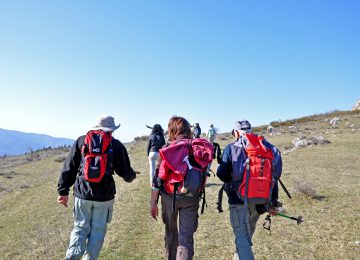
[
  {"x": 284, "y": 188},
  {"x": 298, "y": 219},
  {"x": 157, "y": 198}
]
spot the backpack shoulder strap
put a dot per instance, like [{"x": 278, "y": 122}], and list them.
[
  {"x": 85, "y": 146},
  {"x": 106, "y": 140}
]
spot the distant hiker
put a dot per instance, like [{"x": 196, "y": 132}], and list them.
[
  {"x": 181, "y": 178},
  {"x": 249, "y": 157},
  {"x": 197, "y": 130},
  {"x": 89, "y": 166},
  {"x": 156, "y": 141},
  {"x": 211, "y": 133},
  {"x": 270, "y": 129}
]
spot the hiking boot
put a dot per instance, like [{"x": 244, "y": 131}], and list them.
[{"x": 183, "y": 254}]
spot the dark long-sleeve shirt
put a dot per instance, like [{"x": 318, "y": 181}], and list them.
[
  {"x": 104, "y": 190},
  {"x": 197, "y": 132},
  {"x": 156, "y": 142}
]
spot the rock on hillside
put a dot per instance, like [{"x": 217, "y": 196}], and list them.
[
  {"x": 356, "y": 106},
  {"x": 312, "y": 140},
  {"x": 304, "y": 141}
]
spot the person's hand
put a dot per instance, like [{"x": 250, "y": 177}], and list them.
[
  {"x": 154, "y": 212},
  {"x": 63, "y": 200},
  {"x": 273, "y": 211}
]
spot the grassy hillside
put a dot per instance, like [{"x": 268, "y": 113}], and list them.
[{"x": 34, "y": 226}]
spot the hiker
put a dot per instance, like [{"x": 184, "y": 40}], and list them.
[
  {"x": 156, "y": 141},
  {"x": 94, "y": 186},
  {"x": 244, "y": 213},
  {"x": 197, "y": 130},
  {"x": 181, "y": 160},
  {"x": 211, "y": 133}
]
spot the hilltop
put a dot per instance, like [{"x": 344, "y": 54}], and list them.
[{"x": 323, "y": 180}]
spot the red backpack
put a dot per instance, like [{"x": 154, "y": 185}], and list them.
[
  {"x": 184, "y": 166},
  {"x": 257, "y": 183},
  {"x": 95, "y": 155}
]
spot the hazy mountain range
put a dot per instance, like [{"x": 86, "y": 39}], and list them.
[{"x": 15, "y": 142}]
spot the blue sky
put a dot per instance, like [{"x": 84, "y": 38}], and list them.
[{"x": 64, "y": 63}]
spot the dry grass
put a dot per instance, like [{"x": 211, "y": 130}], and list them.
[
  {"x": 34, "y": 226},
  {"x": 305, "y": 187}
]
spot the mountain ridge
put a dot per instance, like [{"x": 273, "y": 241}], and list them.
[{"x": 13, "y": 142}]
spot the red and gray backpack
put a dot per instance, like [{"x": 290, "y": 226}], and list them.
[
  {"x": 255, "y": 175},
  {"x": 96, "y": 155}
]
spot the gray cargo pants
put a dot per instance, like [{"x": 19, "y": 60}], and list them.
[
  {"x": 179, "y": 243},
  {"x": 244, "y": 228}
]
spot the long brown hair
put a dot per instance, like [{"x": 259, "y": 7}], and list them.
[{"x": 178, "y": 126}]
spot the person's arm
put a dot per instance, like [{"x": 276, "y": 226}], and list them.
[
  {"x": 154, "y": 211},
  {"x": 277, "y": 170},
  {"x": 275, "y": 194},
  {"x": 149, "y": 146},
  {"x": 121, "y": 162},
  {"x": 225, "y": 167},
  {"x": 277, "y": 161},
  {"x": 162, "y": 141},
  {"x": 69, "y": 172},
  {"x": 155, "y": 190}
]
